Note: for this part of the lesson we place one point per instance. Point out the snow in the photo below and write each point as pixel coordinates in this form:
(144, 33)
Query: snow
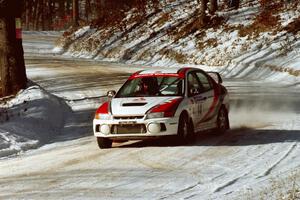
(57, 50)
(41, 42)
(253, 161)
(148, 42)
(79, 33)
(30, 120)
(262, 146)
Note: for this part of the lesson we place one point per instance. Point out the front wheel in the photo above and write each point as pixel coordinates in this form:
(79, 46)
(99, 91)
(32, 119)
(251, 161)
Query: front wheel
(104, 143)
(222, 121)
(185, 130)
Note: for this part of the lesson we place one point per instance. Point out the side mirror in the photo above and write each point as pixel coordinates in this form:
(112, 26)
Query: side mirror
(216, 76)
(111, 93)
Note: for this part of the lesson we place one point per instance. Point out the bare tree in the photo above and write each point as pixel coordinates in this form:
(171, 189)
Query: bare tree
(61, 8)
(213, 6)
(13, 74)
(234, 4)
(87, 9)
(203, 7)
(202, 11)
(75, 13)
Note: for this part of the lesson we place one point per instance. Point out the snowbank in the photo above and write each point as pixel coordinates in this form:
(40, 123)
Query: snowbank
(29, 120)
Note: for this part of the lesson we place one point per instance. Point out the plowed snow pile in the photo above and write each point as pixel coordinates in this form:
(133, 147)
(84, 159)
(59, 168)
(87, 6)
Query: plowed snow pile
(29, 120)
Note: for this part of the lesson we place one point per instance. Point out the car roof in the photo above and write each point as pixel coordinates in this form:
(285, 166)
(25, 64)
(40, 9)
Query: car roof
(160, 71)
(172, 72)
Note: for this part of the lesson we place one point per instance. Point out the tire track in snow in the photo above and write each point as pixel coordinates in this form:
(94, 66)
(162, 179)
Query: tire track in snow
(182, 190)
(269, 170)
(231, 182)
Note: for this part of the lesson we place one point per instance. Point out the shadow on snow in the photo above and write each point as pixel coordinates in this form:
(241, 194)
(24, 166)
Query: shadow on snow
(234, 137)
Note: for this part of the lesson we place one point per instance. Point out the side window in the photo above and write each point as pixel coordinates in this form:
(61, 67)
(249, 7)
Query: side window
(194, 86)
(205, 81)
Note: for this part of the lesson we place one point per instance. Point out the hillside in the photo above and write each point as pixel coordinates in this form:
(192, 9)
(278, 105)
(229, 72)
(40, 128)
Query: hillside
(252, 38)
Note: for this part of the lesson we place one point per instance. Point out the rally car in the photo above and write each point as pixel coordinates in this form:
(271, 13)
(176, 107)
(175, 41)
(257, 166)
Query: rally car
(155, 103)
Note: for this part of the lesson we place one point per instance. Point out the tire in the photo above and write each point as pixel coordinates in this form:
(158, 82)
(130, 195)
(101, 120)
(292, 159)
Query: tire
(222, 121)
(104, 143)
(184, 132)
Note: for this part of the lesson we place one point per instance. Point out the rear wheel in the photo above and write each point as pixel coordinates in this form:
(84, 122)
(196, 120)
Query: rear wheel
(222, 121)
(104, 143)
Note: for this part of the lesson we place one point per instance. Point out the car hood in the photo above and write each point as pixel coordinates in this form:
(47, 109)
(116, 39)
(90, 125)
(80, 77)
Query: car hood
(135, 106)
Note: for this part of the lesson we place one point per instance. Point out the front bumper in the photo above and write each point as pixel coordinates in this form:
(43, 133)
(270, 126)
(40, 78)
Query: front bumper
(135, 128)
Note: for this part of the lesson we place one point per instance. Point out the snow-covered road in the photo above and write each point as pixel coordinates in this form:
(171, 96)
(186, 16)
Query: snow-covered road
(260, 151)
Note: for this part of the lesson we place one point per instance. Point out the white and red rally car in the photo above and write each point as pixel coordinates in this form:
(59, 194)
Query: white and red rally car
(154, 103)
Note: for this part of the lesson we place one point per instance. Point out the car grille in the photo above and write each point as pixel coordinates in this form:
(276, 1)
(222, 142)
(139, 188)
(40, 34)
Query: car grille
(128, 117)
(128, 129)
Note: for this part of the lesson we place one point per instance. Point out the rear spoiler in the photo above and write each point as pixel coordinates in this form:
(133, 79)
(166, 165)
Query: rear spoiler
(216, 76)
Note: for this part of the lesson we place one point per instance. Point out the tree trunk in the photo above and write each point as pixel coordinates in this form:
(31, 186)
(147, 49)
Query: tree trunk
(87, 9)
(68, 7)
(75, 13)
(43, 15)
(34, 14)
(234, 4)
(213, 6)
(100, 8)
(202, 12)
(203, 6)
(38, 14)
(61, 9)
(51, 14)
(13, 74)
(27, 13)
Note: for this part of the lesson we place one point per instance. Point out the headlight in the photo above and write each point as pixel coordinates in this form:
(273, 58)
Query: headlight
(155, 115)
(103, 112)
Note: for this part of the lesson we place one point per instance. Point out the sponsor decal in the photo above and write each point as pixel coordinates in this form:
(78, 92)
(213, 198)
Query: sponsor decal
(215, 104)
(199, 98)
(140, 99)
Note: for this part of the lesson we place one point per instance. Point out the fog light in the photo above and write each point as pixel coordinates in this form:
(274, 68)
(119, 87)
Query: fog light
(105, 129)
(153, 128)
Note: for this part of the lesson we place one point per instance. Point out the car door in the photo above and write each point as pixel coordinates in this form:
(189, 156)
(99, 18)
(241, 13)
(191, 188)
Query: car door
(207, 96)
(196, 99)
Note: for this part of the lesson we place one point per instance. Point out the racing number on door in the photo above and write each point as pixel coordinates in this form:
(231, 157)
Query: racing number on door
(199, 108)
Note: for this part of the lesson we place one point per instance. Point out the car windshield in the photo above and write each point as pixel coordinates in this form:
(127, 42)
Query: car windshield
(152, 86)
